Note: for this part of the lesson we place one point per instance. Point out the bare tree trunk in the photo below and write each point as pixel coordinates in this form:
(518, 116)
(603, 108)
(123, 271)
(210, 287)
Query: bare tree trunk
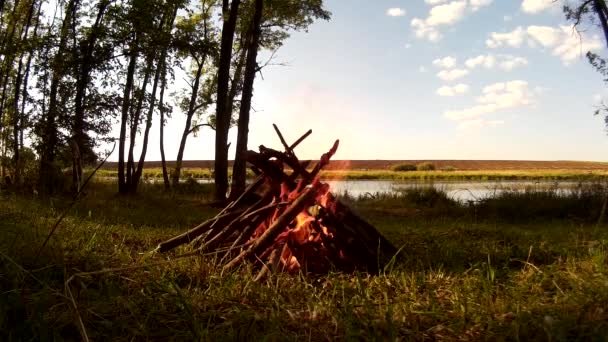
(28, 65)
(144, 147)
(222, 111)
(162, 130)
(135, 122)
(126, 104)
(239, 171)
(191, 109)
(602, 11)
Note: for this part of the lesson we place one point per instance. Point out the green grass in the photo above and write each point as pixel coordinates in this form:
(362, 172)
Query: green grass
(464, 272)
(447, 174)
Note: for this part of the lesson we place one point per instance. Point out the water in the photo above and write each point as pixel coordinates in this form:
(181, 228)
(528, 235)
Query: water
(460, 191)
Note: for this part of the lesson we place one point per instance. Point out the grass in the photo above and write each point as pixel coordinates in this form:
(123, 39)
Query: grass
(465, 272)
(448, 174)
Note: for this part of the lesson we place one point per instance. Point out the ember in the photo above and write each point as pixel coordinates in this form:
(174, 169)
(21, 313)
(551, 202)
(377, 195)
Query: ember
(288, 220)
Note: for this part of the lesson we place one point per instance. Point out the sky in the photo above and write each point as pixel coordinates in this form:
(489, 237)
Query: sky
(428, 79)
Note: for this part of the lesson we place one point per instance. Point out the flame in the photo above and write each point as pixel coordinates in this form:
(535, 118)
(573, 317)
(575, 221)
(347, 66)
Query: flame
(304, 240)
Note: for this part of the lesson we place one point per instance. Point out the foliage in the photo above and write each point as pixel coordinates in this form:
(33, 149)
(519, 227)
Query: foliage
(425, 166)
(404, 167)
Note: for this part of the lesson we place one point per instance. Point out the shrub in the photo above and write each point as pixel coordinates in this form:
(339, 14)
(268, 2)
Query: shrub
(425, 167)
(448, 168)
(403, 167)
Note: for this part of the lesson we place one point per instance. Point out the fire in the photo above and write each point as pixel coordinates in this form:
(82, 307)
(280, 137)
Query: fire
(304, 240)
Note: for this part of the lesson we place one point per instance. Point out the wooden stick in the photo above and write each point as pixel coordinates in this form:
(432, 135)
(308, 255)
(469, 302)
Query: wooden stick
(277, 227)
(276, 129)
(195, 232)
(295, 144)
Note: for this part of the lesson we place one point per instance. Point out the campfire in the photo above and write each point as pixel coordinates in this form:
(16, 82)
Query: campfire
(288, 220)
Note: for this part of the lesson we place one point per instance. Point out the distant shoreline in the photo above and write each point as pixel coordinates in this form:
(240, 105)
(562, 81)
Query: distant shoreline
(463, 165)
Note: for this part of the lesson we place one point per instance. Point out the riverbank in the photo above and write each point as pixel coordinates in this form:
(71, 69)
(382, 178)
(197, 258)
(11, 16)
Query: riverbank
(532, 266)
(476, 175)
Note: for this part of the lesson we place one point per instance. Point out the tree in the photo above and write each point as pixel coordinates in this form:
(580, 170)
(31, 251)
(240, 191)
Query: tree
(195, 41)
(272, 21)
(223, 113)
(596, 13)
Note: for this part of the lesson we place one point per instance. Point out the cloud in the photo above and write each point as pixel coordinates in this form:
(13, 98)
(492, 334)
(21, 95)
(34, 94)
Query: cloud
(477, 4)
(564, 42)
(395, 12)
(451, 75)
(445, 62)
(487, 61)
(495, 97)
(513, 39)
(504, 62)
(536, 6)
(512, 62)
(507, 18)
(440, 15)
(458, 89)
(435, 2)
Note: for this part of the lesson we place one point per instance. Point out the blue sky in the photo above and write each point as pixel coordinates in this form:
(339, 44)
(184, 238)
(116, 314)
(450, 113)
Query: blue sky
(429, 79)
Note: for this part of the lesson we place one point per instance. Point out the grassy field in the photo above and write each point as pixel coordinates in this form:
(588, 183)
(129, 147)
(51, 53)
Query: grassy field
(529, 266)
(463, 165)
(477, 175)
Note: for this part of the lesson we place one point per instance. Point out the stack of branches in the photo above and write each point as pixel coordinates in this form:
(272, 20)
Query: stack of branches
(288, 220)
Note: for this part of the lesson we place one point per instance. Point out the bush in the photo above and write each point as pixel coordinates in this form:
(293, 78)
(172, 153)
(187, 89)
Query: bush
(425, 167)
(403, 167)
(448, 168)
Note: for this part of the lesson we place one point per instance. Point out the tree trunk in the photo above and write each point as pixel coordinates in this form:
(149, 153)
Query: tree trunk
(162, 130)
(239, 171)
(222, 112)
(144, 147)
(602, 11)
(50, 131)
(126, 104)
(82, 83)
(19, 78)
(191, 109)
(135, 122)
(28, 65)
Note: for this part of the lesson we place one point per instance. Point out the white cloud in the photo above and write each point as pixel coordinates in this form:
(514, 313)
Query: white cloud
(395, 12)
(435, 2)
(477, 4)
(445, 62)
(440, 15)
(495, 97)
(536, 6)
(514, 38)
(407, 46)
(547, 36)
(458, 89)
(509, 63)
(447, 14)
(423, 30)
(422, 69)
(564, 42)
(504, 62)
(487, 61)
(451, 75)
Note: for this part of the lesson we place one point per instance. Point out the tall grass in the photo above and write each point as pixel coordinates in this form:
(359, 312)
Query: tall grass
(445, 174)
(457, 277)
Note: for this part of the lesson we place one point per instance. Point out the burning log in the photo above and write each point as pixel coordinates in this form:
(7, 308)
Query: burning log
(288, 220)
